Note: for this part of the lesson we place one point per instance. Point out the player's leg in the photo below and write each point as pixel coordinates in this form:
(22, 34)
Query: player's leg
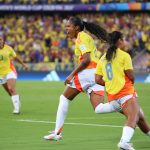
(67, 96)
(96, 95)
(131, 110)
(143, 124)
(6, 89)
(10, 87)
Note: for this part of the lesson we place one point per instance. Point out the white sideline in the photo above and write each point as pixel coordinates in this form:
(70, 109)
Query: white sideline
(71, 123)
(90, 118)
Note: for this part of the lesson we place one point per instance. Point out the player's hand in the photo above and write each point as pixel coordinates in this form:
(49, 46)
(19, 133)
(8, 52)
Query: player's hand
(68, 79)
(25, 66)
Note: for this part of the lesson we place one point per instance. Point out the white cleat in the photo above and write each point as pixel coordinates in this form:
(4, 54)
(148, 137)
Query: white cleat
(125, 146)
(53, 137)
(17, 109)
(16, 112)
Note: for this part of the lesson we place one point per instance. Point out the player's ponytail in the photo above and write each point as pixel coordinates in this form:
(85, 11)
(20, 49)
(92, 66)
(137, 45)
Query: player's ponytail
(97, 30)
(113, 38)
(93, 28)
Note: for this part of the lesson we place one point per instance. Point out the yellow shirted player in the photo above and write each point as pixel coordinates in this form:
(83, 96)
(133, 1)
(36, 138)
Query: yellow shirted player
(115, 71)
(8, 73)
(117, 82)
(85, 44)
(82, 78)
(6, 66)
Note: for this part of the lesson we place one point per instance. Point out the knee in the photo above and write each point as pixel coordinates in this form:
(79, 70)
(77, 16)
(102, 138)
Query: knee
(11, 90)
(98, 108)
(63, 98)
(141, 114)
(104, 108)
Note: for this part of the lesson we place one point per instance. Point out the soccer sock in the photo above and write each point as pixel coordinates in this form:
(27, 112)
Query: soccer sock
(104, 108)
(127, 134)
(16, 102)
(148, 133)
(61, 113)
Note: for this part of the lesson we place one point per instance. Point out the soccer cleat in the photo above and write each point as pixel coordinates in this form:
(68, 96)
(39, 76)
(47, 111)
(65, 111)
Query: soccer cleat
(16, 112)
(125, 146)
(53, 137)
(17, 109)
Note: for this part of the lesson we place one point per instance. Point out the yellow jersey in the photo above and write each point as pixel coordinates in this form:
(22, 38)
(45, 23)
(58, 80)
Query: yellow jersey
(85, 44)
(117, 84)
(6, 54)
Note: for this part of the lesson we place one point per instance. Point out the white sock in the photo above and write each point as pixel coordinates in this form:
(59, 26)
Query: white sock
(148, 133)
(61, 113)
(16, 102)
(104, 108)
(127, 134)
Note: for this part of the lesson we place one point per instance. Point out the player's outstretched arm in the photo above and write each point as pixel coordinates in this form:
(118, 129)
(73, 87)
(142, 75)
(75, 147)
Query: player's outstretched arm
(21, 62)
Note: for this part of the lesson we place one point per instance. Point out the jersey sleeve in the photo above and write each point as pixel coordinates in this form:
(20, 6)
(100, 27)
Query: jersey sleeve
(128, 62)
(98, 70)
(84, 44)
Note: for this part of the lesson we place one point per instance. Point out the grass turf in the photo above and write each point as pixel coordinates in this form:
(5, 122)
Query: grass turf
(83, 129)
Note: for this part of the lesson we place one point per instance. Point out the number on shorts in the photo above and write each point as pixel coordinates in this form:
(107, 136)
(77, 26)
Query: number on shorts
(109, 71)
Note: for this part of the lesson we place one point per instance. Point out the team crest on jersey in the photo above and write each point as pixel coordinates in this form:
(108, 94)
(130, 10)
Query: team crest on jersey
(83, 47)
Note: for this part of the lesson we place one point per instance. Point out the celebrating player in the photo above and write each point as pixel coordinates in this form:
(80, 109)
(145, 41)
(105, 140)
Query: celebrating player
(82, 78)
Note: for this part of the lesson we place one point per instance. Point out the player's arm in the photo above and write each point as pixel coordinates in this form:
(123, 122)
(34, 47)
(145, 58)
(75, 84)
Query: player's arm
(21, 62)
(128, 70)
(99, 79)
(129, 73)
(98, 74)
(83, 64)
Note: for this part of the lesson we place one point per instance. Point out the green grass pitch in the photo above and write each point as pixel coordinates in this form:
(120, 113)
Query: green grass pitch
(84, 130)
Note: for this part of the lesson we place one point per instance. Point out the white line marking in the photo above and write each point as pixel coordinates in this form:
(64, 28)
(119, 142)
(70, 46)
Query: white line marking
(91, 118)
(72, 123)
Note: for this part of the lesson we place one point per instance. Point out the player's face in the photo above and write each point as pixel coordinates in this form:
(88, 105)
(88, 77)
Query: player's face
(70, 29)
(122, 43)
(1, 42)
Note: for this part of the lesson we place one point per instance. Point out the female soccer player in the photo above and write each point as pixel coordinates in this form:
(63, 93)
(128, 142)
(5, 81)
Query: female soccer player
(115, 72)
(8, 73)
(82, 78)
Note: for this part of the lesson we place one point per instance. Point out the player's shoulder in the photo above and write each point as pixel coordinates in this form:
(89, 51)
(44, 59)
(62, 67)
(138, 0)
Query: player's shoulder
(103, 58)
(84, 35)
(8, 47)
(123, 53)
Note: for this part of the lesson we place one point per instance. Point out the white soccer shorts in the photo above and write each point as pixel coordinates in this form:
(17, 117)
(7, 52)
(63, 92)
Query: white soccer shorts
(84, 81)
(10, 75)
(119, 103)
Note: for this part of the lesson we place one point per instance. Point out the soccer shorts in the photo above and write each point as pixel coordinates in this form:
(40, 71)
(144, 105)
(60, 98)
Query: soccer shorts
(120, 103)
(10, 75)
(84, 81)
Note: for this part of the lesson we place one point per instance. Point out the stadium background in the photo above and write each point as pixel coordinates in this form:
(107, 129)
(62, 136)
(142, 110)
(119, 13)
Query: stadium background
(35, 29)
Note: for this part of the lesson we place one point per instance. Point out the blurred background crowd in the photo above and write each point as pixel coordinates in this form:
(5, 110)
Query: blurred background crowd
(41, 38)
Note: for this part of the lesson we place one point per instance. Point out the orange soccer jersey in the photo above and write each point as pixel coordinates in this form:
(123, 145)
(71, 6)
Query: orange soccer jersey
(116, 82)
(84, 44)
(6, 65)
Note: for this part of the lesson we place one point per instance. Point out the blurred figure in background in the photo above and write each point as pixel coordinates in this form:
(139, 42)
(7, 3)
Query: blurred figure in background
(8, 73)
